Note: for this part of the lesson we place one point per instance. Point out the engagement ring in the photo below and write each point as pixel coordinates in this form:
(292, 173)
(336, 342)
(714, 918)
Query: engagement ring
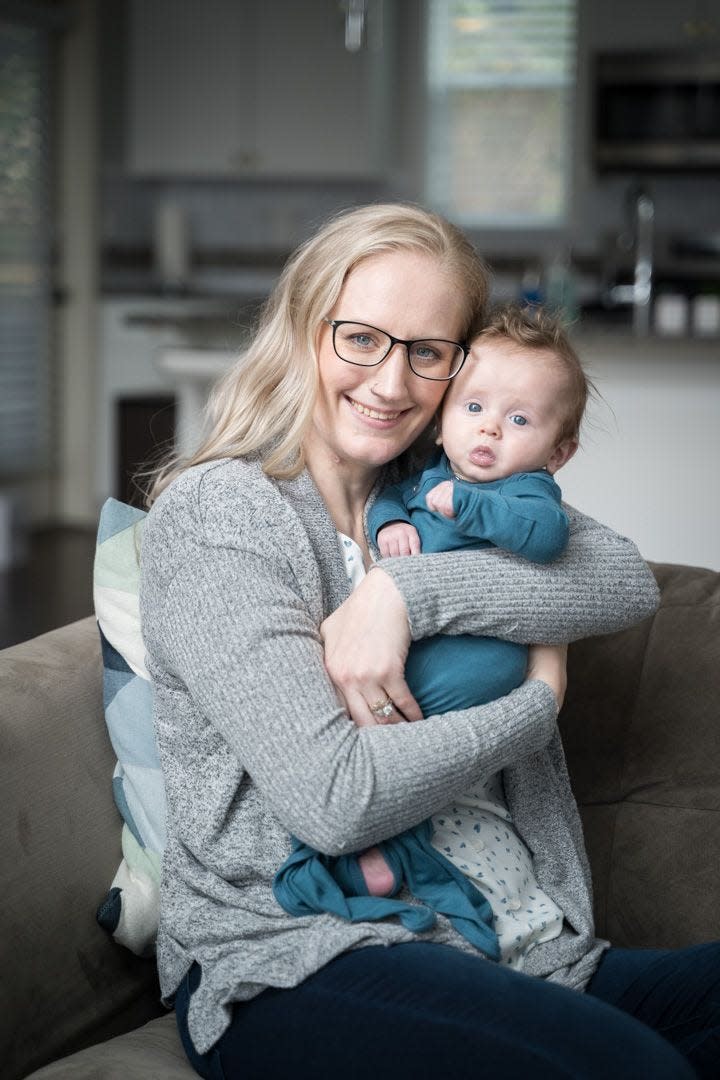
(383, 708)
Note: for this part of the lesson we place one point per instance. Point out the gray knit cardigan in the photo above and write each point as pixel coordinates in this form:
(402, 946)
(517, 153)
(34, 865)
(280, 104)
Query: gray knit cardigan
(238, 572)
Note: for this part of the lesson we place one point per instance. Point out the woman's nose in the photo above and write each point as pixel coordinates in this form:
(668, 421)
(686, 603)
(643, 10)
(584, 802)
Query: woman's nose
(392, 374)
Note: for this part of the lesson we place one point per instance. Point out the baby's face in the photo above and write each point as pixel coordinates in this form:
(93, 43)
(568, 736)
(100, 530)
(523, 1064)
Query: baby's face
(502, 414)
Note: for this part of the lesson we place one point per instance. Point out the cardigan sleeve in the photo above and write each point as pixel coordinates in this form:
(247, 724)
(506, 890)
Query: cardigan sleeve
(600, 584)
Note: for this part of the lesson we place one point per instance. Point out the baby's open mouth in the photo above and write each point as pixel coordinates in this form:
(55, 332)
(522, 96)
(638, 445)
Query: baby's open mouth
(482, 455)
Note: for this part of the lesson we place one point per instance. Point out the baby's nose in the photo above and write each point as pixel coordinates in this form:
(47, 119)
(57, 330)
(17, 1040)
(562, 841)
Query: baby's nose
(488, 424)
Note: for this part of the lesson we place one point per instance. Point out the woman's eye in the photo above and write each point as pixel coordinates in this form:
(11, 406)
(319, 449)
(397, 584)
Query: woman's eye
(519, 420)
(425, 353)
(474, 407)
(363, 341)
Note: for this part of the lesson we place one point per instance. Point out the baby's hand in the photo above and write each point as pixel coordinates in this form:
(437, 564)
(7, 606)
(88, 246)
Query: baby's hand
(398, 538)
(440, 499)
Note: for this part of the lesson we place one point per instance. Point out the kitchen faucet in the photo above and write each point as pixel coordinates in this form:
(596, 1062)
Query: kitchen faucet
(639, 294)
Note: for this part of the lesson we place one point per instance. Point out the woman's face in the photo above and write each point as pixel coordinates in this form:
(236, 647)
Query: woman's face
(366, 416)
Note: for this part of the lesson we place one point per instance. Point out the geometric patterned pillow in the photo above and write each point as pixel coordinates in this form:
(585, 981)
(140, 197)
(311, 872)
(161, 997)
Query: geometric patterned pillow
(130, 909)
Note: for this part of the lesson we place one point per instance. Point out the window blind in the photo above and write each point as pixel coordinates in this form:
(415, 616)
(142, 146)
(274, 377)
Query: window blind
(24, 249)
(500, 75)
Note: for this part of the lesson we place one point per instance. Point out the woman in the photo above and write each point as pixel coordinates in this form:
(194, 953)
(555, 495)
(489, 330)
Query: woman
(272, 685)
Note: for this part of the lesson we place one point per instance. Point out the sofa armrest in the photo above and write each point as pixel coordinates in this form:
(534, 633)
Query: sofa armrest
(68, 984)
(641, 730)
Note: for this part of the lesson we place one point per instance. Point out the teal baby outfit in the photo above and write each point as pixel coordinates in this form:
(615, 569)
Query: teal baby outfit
(309, 883)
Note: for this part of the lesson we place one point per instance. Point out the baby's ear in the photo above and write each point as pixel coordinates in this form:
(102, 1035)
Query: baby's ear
(561, 455)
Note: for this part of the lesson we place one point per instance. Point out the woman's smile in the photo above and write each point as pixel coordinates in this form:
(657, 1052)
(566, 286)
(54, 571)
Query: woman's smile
(374, 413)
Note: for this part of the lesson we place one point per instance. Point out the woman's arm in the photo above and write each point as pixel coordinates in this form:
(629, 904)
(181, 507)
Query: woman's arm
(600, 584)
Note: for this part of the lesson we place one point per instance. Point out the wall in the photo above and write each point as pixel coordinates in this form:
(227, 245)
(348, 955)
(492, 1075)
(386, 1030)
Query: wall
(650, 449)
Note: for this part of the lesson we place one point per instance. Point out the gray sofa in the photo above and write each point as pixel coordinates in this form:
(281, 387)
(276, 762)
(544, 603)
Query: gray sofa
(642, 730)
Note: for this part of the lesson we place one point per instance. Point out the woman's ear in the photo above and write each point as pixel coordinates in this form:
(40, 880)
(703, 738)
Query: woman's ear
(561, 455)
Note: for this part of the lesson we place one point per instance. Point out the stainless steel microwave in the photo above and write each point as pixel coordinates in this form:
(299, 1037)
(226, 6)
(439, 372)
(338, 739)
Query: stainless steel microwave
(657, 111)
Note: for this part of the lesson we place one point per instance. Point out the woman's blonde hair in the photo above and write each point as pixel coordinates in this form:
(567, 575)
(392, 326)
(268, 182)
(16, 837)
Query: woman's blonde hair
(264, 404)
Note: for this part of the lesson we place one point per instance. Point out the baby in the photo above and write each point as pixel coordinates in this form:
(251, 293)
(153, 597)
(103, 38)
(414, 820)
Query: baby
(509, 421)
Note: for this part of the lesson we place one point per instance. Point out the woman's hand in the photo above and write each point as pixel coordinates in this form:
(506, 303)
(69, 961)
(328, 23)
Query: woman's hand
(549, 663)
(366, 644)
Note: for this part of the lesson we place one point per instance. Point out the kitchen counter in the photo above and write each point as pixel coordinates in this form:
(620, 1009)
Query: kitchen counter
(193, 371)
(623, 342)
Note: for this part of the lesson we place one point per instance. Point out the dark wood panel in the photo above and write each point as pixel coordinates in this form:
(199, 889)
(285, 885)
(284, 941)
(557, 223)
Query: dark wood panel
(146, 431)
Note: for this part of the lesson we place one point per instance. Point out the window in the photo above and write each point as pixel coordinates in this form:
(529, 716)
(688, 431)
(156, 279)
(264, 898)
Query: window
(500, 77)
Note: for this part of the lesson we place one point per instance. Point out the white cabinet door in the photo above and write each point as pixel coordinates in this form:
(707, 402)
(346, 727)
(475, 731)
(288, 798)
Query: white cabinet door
(320, 107)
(192, 68)
(251, 88)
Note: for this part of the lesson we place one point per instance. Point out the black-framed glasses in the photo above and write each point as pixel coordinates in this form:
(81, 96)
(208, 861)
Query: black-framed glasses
(364, 345)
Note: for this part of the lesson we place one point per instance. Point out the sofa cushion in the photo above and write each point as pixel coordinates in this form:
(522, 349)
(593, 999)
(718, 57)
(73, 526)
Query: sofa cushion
(152, 1052)
(65, 984)
(642, 738)
(130, 908)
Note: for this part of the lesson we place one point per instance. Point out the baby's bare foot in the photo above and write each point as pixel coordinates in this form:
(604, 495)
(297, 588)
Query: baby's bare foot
(379, 878)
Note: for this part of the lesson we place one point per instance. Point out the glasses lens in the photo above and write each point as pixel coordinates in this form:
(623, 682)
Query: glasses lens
(435, 359)
(360, 344)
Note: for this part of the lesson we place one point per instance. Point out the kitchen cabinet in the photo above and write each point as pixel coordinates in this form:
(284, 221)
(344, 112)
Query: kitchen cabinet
(251, 89)
(648, 24)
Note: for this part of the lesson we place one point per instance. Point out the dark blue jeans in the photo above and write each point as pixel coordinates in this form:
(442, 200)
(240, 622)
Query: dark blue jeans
(421, 1010)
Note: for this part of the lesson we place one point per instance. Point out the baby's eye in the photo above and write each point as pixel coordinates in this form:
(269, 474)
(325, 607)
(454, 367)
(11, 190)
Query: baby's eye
(519, 420)
(474, 407)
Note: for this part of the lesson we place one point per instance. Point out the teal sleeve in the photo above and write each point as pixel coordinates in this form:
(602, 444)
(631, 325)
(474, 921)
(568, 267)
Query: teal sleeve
(390, 505)
(522, 515)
